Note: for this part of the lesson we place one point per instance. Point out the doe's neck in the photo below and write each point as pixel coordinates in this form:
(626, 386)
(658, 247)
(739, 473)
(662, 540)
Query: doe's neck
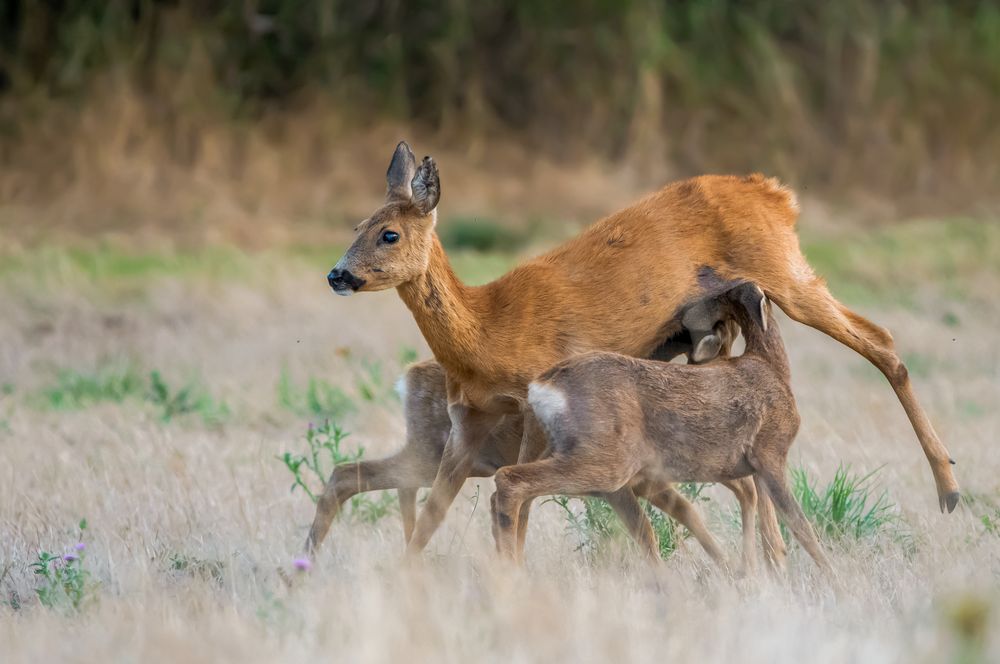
(448, 313)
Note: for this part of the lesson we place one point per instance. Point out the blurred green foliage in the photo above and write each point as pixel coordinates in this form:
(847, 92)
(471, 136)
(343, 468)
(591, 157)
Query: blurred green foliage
(323, 453)
(117, 382)
(798, 78)
(74, 390)
(480, 235)
(319, 398)
(894, 263)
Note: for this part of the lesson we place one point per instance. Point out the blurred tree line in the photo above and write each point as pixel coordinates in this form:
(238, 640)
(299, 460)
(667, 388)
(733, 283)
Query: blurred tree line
(779, 84)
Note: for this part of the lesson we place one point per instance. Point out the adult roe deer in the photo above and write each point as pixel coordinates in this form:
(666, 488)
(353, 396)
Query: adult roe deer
(614, 422)
(615, 287)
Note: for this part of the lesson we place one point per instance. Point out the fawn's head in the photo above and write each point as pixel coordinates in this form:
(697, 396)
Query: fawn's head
(393, 245)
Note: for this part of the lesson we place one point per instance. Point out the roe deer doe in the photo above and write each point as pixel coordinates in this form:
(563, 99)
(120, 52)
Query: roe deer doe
(613, 422)
(616, 287)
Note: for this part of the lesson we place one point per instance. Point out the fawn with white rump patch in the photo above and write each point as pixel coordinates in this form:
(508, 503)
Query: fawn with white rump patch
(614, 422)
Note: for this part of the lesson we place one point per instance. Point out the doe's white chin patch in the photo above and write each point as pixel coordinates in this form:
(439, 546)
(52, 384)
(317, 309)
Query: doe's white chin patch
(347, 292)
(547, 401)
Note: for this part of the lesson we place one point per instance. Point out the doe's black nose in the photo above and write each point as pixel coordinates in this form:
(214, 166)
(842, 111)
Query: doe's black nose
(335, 278)
(344, 280)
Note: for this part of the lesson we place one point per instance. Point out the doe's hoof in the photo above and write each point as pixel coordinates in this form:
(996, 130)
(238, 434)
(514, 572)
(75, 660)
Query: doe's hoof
(949, 501)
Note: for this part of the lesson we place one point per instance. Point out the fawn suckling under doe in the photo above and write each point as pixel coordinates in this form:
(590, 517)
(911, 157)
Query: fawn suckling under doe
(615, 422)
(424, 395)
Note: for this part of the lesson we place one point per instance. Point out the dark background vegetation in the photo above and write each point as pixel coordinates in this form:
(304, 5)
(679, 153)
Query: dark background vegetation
(159, 110)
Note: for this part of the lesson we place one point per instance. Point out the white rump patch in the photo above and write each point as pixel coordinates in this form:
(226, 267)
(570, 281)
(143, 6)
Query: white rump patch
(547, 402)
(401, 388)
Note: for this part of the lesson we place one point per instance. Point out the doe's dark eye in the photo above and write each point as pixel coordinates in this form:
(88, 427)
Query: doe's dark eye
(390, 237)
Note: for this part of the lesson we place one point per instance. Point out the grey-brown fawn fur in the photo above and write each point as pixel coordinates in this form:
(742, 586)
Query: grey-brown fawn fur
(615, 422)
(428, 426)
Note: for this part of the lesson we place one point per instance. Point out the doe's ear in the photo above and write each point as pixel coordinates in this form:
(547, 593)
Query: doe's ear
(400, 173)
(426, 186)
(752, 298)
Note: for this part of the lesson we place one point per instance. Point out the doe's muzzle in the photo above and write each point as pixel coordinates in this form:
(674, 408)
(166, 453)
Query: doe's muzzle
(343, 282)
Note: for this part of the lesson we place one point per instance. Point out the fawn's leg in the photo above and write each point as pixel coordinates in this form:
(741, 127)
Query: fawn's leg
(772, 475)
(534, 446)
(770, 533)
(808, 301)
(408, 509)
(746, 494)
(404, 469)
(469, 429)
(554, 475)
(630, 511)
(672, 502)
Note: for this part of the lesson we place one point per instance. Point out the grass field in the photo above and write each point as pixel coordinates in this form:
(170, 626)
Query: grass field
(153, 394)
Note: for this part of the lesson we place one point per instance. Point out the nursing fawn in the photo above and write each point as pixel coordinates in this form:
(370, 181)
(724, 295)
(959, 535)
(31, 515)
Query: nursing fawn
(614, 422)
(422, 390)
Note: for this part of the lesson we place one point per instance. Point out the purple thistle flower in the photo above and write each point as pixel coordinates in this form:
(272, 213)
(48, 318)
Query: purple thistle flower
(302, 564)
(70, 557)
(80, 546)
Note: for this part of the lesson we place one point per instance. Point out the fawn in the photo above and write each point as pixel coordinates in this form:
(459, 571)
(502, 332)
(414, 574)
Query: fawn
(422, 390)
(614, 422)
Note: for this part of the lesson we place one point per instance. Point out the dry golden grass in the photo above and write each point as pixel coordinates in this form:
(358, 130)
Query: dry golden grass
(136, 168)
(214, 496)
(170, 168)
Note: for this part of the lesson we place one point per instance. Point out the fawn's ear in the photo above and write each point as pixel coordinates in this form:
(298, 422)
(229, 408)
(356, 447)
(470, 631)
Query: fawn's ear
(400, 173)
(752, 298)
(426, 186)
(706, 349)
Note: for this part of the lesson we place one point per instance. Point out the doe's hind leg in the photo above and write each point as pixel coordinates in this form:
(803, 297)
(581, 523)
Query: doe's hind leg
(809, 302)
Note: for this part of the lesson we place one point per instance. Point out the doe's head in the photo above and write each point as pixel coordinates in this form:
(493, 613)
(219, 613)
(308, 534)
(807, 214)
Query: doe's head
(393, 245)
